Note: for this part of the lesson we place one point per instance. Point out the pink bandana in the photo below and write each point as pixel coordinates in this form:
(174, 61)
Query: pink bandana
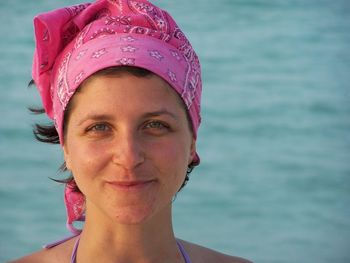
(75, 42)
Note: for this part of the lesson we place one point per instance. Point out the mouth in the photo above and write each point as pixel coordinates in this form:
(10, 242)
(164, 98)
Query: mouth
(131, 185)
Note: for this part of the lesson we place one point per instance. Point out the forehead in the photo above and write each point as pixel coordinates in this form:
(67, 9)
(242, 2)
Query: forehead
(99, 90)
(126, 91)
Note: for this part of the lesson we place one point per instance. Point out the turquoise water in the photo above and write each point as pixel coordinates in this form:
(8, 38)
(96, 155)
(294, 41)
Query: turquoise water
(274, 183)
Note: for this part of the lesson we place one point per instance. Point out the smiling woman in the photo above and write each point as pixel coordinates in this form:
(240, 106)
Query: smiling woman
(152, 119)
(122, 85)
(129, 159)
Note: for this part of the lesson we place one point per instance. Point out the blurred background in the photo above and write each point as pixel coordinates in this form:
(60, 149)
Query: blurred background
(274, 182)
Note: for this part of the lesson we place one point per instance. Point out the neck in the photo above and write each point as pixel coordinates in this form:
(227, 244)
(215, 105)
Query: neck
(150, 241)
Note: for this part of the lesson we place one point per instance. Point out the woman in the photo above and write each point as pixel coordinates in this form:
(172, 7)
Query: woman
(122, 84)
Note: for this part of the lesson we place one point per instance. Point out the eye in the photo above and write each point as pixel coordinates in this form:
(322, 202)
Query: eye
(156, 126)
(99, 127)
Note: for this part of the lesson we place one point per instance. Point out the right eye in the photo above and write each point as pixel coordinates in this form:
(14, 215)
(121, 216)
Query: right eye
(99, 127)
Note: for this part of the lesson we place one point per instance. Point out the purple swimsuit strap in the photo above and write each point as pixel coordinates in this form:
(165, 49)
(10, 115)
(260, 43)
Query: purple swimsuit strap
(56, 243)
(73, 258)
(182, 250)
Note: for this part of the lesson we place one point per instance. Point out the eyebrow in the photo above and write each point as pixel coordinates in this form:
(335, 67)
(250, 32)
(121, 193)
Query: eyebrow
(106, 117)
(95, 117)
(160, 113)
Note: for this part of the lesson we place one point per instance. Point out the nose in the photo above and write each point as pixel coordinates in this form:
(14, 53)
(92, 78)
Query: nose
(127, 151)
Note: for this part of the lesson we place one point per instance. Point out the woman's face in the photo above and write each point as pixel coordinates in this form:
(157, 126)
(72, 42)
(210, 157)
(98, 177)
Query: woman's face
(128, 144)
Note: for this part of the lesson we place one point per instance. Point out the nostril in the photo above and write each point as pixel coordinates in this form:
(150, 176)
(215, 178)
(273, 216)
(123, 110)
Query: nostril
(128, 155)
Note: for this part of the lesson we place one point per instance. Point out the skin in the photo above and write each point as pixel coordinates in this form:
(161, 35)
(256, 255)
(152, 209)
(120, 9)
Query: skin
(128, 145)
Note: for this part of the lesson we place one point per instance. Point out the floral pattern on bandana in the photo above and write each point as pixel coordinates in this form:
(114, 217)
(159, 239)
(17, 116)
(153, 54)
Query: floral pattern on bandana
(79, 77)
(156, 54)
(63, 91)
(117, 20)
(79, 41)
(126, 61)
(175, 54)
(129, 48)
(172, 76)
(128, 39)
(102, 32)
(77, 9)
(154, 15)
(81, 54)
(118, 4)
(99, 53)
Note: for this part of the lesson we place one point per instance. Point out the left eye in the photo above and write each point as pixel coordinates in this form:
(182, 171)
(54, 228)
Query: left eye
(155, 125)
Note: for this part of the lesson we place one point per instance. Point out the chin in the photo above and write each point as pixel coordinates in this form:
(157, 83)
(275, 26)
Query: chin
(132, 215)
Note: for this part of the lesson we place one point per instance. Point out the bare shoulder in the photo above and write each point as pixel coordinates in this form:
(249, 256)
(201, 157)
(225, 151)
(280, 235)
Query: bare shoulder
(38, 256)
(59, 253)
(205, 255)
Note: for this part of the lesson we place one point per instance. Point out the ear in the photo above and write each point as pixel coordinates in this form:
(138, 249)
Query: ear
(192, 150)
(66, 156)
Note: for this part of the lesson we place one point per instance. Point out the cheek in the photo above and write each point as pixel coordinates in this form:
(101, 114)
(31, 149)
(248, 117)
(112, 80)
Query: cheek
(86, 161)
(171, 151)
(171, 158)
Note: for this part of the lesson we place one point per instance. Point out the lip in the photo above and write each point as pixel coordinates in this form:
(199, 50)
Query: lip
(131, 185)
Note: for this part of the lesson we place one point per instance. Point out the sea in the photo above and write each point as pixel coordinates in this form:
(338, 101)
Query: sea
(273, 185)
